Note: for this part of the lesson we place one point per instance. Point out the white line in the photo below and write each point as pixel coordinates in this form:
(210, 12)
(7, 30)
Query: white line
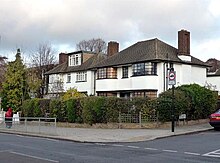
(190, 153)
(133, 147)
(167, 150)
(213, 152)
(9, 150)
(153, 149)
(117, 145)
(209, 155)
(40, 158)
(100, 144)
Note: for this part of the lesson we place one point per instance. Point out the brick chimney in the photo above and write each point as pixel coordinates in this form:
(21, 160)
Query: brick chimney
(113, 48)
(62, 58)
(184, 42)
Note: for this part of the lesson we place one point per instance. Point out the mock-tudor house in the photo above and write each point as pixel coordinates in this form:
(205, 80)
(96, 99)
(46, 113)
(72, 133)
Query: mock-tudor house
(139, 70)
(142, 68)
(73, 71)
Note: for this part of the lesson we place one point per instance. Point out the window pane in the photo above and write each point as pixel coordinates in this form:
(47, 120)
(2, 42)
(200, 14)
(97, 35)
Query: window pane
(124, 72)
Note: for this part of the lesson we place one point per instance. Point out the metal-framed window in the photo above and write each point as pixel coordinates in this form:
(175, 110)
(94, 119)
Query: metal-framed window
(107, 73)
(148, 68)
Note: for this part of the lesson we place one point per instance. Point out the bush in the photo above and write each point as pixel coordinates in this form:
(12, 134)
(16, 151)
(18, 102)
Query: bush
(27, 108)
(71, 110)
(58, 110)
(193, 100)
(203, 101)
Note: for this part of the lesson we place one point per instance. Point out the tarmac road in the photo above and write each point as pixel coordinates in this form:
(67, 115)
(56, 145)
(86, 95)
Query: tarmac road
(197, 147)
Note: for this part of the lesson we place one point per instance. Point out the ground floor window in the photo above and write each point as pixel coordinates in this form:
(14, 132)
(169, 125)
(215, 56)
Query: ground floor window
(145, 93)
(109, 94)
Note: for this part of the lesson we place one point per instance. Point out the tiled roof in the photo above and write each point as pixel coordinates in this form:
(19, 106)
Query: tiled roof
(150, 50)
(89, 64)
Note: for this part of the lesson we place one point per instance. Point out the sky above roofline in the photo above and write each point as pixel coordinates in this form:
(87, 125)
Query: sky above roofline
(62, 23)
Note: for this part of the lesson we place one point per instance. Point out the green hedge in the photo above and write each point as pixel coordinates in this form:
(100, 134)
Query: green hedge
(193, 100)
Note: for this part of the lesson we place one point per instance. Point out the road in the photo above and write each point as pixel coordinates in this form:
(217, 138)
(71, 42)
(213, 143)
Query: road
(200, 147)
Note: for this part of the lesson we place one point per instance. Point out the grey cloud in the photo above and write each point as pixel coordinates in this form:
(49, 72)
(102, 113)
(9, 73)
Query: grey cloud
(126, 21)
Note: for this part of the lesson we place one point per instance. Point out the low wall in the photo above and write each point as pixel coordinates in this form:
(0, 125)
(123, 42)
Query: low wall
(148, 125)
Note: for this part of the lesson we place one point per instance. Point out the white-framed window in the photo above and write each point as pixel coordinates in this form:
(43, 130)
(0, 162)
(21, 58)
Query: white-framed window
(68, 80)
(75, 60)
(81, 76)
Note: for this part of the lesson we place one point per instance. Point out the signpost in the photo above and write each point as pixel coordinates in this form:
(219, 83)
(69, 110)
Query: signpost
(172, 81)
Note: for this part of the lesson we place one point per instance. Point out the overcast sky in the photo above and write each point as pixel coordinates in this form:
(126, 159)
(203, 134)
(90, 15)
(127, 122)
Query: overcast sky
(63, 23)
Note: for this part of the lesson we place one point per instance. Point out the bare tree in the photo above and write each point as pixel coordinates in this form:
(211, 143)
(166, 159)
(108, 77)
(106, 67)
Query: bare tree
(42, 60)
(95, 45)
(56, 88)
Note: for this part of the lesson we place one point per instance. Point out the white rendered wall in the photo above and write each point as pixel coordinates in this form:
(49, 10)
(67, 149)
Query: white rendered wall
(85, 86)
(130, 83)
(214, 83)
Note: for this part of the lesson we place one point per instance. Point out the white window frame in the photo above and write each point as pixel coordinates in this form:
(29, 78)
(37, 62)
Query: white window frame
(68, 78)
(81, 76)
(75, 60)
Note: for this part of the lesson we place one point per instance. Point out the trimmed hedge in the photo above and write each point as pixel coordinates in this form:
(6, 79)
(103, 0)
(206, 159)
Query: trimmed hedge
(193, 100)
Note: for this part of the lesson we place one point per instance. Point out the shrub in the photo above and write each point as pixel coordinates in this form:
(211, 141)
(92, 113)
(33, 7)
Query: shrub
(71, 109)
(58, 110)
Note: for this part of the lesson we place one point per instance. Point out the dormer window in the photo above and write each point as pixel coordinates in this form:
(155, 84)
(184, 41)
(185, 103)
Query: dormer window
(75, 60)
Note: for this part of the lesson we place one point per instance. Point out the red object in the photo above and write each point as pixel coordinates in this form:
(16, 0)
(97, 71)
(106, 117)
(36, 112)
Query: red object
(9, 113)
(214, 120)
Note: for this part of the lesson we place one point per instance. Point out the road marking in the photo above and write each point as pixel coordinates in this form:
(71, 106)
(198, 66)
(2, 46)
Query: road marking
(153, 149)
(100, 144)
(9, 150)
(39, 158)
(133, 147)
(167, 150)
(117, 145)
(215, 153)
(190, 153)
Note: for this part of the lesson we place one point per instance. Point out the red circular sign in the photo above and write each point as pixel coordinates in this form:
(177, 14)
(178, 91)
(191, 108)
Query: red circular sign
(172, 76)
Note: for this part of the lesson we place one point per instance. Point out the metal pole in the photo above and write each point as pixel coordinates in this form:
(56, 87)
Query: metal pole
(172, 111)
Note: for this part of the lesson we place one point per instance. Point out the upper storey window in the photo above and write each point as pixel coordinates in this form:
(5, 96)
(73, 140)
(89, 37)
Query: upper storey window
(148, 68)
(107, 73)
(75, 60)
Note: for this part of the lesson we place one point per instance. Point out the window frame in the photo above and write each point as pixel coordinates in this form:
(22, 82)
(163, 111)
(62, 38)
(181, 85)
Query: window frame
(144, 68)
(107, 73)
(81, 76)
(125, 72)
(68, 79)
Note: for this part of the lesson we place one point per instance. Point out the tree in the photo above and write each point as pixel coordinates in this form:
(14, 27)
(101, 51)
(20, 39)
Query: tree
(15, 85)
(41, 61)
(2, 70)
(56, 88)
(72, 93)
(95, 45)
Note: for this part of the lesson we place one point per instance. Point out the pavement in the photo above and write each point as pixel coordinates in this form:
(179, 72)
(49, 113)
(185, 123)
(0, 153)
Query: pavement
(111, 135)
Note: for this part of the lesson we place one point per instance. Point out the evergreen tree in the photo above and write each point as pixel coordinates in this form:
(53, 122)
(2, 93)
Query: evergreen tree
(15, 84)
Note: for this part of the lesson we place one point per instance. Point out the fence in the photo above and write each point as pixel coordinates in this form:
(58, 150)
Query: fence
(38, 125)
(138, 117)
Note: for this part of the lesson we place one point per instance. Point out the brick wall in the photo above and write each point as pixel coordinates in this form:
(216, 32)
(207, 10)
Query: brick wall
(113, 48)
(183, 42)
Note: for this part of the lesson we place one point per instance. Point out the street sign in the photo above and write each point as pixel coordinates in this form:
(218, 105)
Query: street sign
(172, 78)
